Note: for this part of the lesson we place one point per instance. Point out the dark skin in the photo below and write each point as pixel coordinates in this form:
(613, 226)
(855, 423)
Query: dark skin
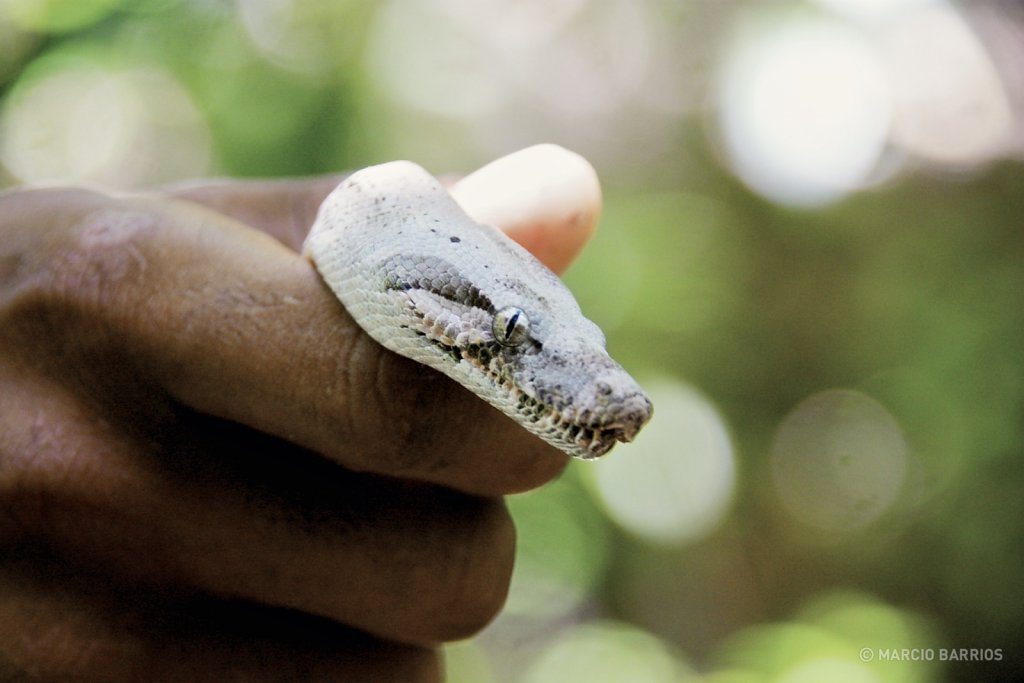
(208, 471)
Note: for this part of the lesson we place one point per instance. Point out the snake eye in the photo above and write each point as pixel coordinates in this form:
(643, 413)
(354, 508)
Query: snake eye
(511, 327)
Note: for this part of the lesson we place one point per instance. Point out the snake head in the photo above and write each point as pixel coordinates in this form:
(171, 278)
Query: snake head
(429, 283)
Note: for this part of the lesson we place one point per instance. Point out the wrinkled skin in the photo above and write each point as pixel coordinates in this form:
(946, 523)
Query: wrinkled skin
(209, 472)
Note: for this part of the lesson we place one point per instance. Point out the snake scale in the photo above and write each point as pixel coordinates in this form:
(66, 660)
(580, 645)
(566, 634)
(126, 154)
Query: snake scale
(427, 282)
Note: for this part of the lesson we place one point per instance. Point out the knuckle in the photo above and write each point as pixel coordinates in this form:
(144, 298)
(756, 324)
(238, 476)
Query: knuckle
(100, 255)
(68, 250)
(398, 406)
(476, 576)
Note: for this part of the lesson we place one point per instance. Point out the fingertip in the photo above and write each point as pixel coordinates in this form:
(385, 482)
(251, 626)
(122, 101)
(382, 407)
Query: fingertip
(545, 197)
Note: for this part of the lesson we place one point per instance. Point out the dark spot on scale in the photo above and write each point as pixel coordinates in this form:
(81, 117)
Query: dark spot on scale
(453, 238)
(433, 230)
(452, 352)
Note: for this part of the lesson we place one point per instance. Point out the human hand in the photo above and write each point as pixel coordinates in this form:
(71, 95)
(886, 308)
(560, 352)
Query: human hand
(208, 470)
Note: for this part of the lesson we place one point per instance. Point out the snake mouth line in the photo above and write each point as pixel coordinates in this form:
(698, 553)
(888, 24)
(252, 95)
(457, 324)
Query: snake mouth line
(587, 440)
(545, 419)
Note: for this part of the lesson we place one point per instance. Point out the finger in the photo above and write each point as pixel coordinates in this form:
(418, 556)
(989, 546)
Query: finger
(194, 502)
(58, 623)
(284, 209)
(231, 323)
(544, 197)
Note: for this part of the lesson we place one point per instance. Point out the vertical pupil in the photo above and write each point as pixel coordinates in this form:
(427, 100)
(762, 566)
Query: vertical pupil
(510, 326)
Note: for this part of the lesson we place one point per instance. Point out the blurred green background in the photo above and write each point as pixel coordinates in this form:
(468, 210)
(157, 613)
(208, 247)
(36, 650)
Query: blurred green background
(811, 254)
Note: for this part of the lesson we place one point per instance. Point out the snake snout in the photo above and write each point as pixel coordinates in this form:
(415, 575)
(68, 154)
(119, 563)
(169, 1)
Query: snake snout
(617, 407)
(631, 413)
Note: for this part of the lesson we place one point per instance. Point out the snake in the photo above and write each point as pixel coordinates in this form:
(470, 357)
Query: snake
(427, 282)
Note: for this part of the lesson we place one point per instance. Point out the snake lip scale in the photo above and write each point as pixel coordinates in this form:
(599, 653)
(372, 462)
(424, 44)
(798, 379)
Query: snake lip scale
(427, 282)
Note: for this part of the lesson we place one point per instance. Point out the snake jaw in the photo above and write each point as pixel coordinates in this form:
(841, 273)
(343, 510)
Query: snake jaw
(582, 413)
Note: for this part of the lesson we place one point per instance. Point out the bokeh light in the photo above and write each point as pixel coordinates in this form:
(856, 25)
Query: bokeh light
(466, 662)
(422, 60)
(608, 652)
(683, 488)
(834, 670)
(870, 9)
(804, 108)
(866, 621)
(950, 104)
(814, 105)
(827, 641)
(76, 119)
(573, 69)
(839, 460)
(56, 15)
(302, 36)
